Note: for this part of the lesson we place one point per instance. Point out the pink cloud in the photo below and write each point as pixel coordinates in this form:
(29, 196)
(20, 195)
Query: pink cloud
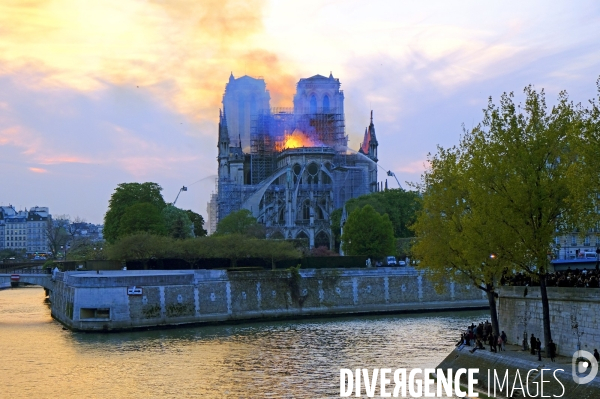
(63, 159)
(417, 166)
(38, 170)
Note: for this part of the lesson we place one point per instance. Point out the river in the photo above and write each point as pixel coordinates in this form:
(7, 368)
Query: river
(287, 359)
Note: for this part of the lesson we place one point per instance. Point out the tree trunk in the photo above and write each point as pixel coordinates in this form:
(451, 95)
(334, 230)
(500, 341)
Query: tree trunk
(545, 313)
(491, 295)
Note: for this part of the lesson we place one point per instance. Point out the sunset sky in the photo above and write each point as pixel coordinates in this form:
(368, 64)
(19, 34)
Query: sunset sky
(93, 94)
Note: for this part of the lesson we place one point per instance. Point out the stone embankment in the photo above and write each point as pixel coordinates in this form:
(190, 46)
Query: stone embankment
(118, 300)
(525, 374)
(574, 316)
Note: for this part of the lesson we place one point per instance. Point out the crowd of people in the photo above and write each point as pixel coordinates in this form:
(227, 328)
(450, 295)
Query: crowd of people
(477, 336)
(481, 334)
(567, 278)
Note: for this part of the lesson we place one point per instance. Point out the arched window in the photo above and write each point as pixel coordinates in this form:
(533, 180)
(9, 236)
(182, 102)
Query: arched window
(277, 236)
(326, 104)
(306, 210)
(313, 104)
(320, 207)
(302, 235)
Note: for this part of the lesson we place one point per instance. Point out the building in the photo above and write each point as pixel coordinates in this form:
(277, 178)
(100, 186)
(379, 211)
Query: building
(244, 98)
(575, 245)
(211, 209)
(24, 230)
(37, 221)
(297, 168)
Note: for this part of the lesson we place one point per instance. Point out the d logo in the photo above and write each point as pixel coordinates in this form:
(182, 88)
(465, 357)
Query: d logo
(580, 363)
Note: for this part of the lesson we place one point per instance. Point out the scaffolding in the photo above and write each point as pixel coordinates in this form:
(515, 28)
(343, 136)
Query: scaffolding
(229, 196)
(323, 174)
(267, 130)
(326, 128)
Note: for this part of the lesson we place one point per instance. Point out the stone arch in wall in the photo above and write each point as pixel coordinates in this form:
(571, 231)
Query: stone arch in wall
(313, 104)
(326, 104)
(306, 209)
(322, 240)
(302, 235)
(277, 235)
(313, 173)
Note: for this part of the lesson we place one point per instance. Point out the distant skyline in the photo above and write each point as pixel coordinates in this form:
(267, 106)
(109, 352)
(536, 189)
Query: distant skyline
(97, 94)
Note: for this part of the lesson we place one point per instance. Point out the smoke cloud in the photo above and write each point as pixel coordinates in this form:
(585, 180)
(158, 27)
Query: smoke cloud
(176, 50)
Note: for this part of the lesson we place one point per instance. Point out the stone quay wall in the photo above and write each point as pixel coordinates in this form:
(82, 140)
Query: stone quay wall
(518, 313)
(104, 301)
(494, 366)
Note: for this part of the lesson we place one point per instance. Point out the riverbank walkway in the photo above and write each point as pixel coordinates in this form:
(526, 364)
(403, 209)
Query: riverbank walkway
(516, 352)
(514, 359)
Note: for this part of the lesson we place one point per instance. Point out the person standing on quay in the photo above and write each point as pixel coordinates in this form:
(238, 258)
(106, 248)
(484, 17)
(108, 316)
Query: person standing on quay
(551, 350)
(533, 344)
(538, 346)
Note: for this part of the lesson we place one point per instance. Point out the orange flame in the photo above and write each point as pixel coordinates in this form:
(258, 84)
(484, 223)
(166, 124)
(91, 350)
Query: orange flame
(296, 140)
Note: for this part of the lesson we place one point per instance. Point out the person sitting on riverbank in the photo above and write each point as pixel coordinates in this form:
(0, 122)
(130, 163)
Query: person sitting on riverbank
(462, 341)
(478, 345)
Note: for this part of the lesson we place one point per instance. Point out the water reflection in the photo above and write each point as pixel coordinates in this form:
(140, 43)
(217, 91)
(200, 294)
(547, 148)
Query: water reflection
(291, 359)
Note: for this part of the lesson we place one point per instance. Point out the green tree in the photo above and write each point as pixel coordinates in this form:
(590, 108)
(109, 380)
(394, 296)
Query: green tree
(141, 246)
(273, 250)
(452, 238)
(517, 167)
(368, 233)
(177, 222)
(584, 176)
(232, 246)
(240, 222)
(141, 217)
(520, 159)
(198, 221)
(400, 205)
(126, 195)
(193, 249)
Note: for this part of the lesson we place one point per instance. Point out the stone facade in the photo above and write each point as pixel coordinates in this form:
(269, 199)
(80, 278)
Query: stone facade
(24, 230)
(91, 301)
(568, 306)
(291, 168)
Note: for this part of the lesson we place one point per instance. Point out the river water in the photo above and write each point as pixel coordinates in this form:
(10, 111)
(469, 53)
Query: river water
(289, 359)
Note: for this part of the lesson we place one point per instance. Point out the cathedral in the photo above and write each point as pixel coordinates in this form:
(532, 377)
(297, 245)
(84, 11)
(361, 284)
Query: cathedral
(290, 167)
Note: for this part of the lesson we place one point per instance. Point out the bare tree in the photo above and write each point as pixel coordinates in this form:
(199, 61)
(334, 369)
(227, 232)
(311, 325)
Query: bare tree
(74, 228)
(56, 233)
